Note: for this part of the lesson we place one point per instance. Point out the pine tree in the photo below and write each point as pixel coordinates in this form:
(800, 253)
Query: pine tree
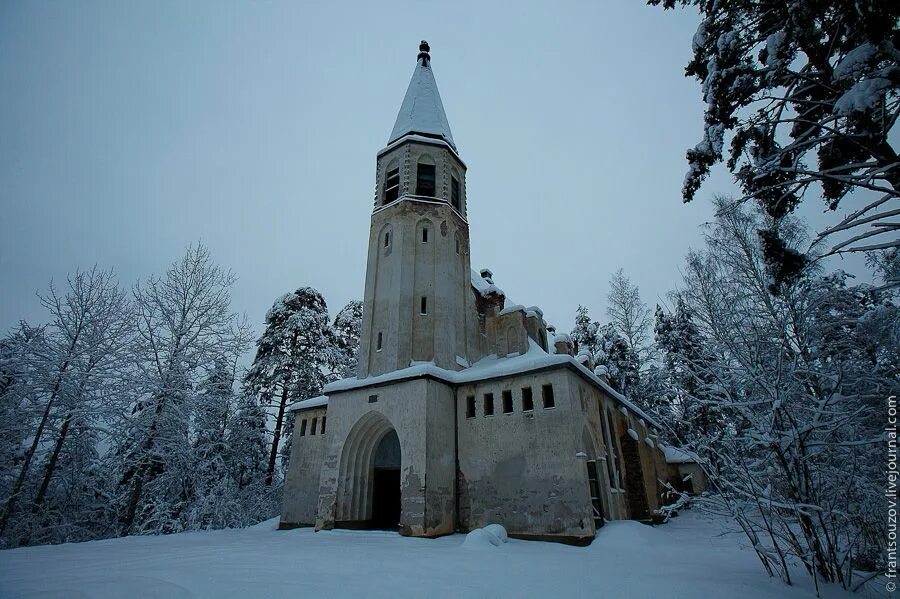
(293, 356)
(347, 328)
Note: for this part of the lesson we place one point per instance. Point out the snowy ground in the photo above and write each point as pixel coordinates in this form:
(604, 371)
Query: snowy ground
(683, 559)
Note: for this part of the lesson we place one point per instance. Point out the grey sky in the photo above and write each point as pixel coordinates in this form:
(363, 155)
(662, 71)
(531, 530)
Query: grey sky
(130, 130)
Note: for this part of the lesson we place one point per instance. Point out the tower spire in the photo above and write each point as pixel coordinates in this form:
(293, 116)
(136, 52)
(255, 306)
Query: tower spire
(422, 111)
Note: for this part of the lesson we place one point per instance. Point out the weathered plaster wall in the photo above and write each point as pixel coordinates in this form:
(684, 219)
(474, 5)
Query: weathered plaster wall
(520, 469)
(420, 411)
(300, 498)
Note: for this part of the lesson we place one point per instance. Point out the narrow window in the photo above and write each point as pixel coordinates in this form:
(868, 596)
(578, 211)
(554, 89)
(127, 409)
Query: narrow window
(614, 448)
(303, 428)
(507, 402)
(457, 245)
(547, 393)
(323, 425)
(425, 180)
(312, 427)
(527, 400)
(379, 341)
(387, 238)
(425, 235)
(470, 406)
(392, 186)
(424, 305)
(454, 192)
(488, 404)
(373, 398)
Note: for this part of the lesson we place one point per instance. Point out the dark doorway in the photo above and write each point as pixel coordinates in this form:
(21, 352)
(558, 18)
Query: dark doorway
(638, 509)
(386, 484)
(386, 499)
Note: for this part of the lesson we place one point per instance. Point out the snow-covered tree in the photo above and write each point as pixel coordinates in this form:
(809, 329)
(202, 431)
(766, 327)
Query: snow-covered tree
(293, 356)
(796, 384)
(185, 324)
(347, 328)
(810, 92)
(629, 315)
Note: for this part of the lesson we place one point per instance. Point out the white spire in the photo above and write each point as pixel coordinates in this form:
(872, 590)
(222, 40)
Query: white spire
(422, 111)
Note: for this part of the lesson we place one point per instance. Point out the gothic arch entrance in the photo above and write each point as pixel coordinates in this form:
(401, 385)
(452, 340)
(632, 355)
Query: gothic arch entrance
(369, 482)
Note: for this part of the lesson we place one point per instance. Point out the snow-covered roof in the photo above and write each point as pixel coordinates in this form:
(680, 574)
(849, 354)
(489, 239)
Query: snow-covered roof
(487, 368)
(422, 110)
(312, 402)
(676, 455)
(483, 287)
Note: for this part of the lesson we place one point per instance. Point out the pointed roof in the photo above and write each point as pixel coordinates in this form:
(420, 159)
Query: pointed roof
(422, 111)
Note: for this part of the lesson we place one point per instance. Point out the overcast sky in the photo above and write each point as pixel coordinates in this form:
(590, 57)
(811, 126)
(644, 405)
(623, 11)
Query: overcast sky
(130, 130)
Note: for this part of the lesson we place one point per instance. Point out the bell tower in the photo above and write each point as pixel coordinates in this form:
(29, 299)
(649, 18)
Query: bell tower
(418, 304)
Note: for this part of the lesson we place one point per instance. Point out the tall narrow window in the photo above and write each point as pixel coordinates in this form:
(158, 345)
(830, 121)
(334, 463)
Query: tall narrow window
(470, 406)
(527, 400)
(323, 425)
(547, 392)
(392, 185)
(614, 448)
(507, 402)
(454, 192)
(312, 426)
(303, 428)
(488, 404)
(425, 235)
(610, 466)
(457, 245)
(379, 342)
(425, 180)
(387, 238)
(424, 305)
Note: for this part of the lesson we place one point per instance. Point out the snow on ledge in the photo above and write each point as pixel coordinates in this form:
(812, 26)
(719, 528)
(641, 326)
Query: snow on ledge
(489, 367)
(676, 455)
(312, 402)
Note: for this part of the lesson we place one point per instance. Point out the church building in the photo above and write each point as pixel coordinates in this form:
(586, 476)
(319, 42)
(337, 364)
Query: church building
(465, 411)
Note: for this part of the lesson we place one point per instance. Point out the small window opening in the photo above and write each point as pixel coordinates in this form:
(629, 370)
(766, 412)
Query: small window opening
(454, 192)
(425, 180)
(303, 428)
(547, 393)
(323, 425)
(470, 406)
(457, 245)
(373, 398)
(527, 400)
(488, 404)
(387, 238)
(425, 235)
(424, 305)
(392, 185)
(312, 426)
(379, 341)
(507, 402)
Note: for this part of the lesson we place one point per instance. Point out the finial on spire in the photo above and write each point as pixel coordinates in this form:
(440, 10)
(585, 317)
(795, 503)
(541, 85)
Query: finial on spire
(424, 56)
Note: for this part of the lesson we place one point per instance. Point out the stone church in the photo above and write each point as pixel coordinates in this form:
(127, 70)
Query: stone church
(465, 411)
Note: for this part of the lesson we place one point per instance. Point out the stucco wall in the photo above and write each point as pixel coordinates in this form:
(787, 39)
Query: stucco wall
(300, 498)
(521, 469)
(420, 411)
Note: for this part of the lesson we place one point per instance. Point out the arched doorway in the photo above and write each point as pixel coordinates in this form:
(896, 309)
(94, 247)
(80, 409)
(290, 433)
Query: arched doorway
(386, 484)
(368, 494)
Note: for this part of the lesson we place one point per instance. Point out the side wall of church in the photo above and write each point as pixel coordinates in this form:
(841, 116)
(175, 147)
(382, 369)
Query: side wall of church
(300, 498)
(520, 468)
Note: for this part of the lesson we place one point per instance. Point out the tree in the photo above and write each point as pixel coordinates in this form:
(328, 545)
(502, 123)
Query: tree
(347, 328)
(70, 364)
(795, 385)
(629, 315)
(185, 324)
(293, 355)
(810, 92)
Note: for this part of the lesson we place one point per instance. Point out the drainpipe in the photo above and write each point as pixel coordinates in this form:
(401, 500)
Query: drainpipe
(456, 460)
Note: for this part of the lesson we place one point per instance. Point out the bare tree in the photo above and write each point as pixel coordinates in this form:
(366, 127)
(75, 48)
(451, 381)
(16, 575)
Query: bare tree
(629, 315)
